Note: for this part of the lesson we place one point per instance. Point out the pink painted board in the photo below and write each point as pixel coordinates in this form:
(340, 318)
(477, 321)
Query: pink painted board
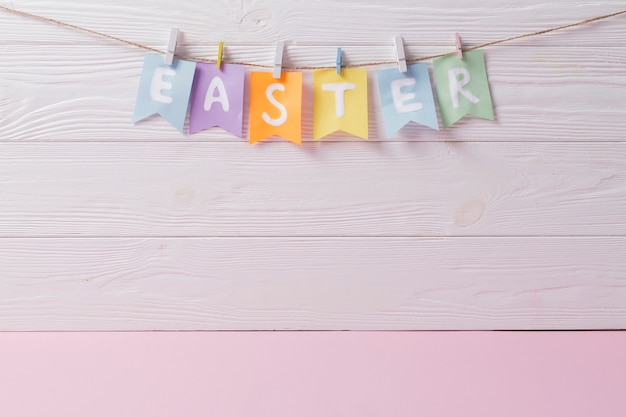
(313, 374)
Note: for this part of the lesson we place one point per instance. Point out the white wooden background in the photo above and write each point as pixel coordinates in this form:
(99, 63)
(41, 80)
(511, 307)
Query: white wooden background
(514, 224)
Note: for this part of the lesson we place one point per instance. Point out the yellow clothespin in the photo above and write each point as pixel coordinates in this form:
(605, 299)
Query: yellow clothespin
(220, 52)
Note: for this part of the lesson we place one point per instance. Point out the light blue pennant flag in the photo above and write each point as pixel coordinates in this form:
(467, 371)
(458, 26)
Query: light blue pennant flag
(164, 89)
(407, 97)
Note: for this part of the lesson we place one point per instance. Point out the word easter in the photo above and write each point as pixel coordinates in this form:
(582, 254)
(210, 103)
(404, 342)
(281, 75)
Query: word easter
(215, 97)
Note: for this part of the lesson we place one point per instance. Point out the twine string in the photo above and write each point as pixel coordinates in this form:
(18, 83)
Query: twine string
(252, 64)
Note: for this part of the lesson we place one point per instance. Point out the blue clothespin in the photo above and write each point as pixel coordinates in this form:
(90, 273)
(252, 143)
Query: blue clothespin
(339, 61)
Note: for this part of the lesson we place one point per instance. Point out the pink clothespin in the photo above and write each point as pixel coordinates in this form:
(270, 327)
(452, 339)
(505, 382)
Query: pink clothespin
(459, 48)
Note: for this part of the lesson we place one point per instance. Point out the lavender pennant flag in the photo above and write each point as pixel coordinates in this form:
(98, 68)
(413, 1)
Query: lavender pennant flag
(217, 98)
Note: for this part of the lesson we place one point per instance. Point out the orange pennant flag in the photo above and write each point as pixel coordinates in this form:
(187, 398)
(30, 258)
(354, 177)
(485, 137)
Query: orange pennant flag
(276, 106)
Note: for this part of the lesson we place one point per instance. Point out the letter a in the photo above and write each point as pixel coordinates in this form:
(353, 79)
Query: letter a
(456, 86)
(400, 99)
(222, 97)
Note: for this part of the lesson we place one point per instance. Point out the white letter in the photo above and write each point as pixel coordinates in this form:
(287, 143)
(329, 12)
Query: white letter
(222, 97)
(339, 89)
(456, 86)
(157, 85)
(283, 111)
(400, 99)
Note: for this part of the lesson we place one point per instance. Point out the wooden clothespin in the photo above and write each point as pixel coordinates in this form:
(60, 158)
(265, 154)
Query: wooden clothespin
(459, 47)
(400, 56)
(171, 46)
(220, 53)
(278, 59)
(339, 61)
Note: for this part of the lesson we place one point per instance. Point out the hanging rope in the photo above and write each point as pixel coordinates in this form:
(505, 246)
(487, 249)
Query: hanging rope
(367, 64)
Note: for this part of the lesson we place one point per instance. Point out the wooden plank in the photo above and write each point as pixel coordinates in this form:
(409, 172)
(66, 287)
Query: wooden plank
(368, 21)
(313, 374)
(279, 189)
(313, 283)
(66, 93)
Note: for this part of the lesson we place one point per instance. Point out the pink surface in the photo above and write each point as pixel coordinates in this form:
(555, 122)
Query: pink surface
(313, 374)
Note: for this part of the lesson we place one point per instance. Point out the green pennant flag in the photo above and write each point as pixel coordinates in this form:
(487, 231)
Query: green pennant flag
(462, 87)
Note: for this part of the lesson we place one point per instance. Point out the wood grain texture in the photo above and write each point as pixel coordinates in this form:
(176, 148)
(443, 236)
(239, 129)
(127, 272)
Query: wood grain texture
(322, 22)
(517, 223)
(53, 93)
(313, 283)
(341, 189)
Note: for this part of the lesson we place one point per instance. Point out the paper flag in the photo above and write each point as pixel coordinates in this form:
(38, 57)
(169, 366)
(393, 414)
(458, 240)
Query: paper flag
(407, 96)
(340, 102)
(276, 106)
(164, 89)
(217, 98)
(462, 87)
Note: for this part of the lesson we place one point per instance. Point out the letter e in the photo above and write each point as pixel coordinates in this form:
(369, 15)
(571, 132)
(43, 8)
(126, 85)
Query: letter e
(157, 85)
(400, 99)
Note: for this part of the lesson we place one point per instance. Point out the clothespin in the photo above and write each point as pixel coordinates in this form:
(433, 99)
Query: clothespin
(171, 46)
(400, 57)
(459, 48)
(278, 58)
(220, 52)
(339, 61)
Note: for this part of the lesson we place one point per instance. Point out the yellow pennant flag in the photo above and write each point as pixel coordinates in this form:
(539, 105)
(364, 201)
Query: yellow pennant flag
(340, 102)
(276, 106)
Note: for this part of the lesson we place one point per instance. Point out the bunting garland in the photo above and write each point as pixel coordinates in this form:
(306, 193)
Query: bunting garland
(340, 101)
(215, 94)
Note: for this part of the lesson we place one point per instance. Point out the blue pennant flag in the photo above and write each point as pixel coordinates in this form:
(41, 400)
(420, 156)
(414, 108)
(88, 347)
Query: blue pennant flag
(164, 89)
(407, 97)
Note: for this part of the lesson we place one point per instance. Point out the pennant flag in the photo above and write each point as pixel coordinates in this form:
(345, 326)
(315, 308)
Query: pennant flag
(217, 98)
(462, 87)
(276, 106)
(340, 102)
(407, 96)
(164, 89)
